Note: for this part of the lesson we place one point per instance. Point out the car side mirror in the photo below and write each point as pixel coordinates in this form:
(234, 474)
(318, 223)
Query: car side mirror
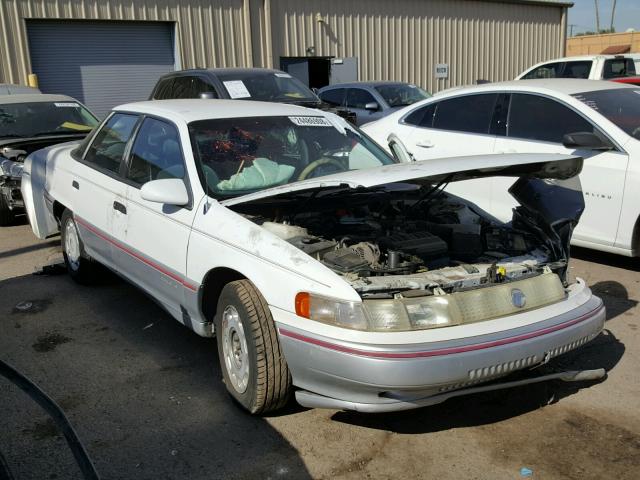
(586, 141)
(169, 191)
(207, 96)
(373, 106)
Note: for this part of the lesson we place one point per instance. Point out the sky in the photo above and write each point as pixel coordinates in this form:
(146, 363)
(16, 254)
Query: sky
(583, 15)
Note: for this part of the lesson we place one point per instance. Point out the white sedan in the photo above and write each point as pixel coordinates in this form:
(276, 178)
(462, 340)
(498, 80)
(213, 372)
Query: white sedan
(600, 121)
(320, 264)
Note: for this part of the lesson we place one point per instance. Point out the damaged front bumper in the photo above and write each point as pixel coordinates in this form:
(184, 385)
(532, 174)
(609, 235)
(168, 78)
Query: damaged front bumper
(368, 377)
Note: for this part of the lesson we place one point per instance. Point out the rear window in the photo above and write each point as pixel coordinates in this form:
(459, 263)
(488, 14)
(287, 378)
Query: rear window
(574, 69)
(620, 106)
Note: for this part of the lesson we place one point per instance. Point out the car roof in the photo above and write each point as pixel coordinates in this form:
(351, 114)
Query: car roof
(364, 84)
(588, 57)
(34, 97)
(224, 71)
(567, 86)
(190, 110)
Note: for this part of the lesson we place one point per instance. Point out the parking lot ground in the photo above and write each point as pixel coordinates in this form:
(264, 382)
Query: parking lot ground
(145, 396)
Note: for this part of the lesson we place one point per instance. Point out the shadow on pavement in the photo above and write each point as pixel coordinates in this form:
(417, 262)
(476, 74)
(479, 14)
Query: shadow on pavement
(143, 392)
(604, 258)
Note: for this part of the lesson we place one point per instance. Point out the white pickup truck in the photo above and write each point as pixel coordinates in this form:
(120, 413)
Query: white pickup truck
(321, 265)
(589, 67)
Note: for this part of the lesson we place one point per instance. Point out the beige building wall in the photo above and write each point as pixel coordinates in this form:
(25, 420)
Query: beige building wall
(208, 33)
(594, 44)
(393, 40)
(404, 39)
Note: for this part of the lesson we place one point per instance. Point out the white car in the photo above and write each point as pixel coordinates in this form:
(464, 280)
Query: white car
(319, 263)
(591, 67)
(597, 120)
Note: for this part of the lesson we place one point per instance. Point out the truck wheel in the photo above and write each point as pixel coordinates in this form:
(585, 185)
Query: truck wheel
(253, 366)
(6, 216)
(81, 268)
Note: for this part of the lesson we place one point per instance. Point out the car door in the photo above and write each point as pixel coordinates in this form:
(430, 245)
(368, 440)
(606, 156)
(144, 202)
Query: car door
(357, 100)
(100, 192)
(157, 234)
(536, 124)
(454, 127)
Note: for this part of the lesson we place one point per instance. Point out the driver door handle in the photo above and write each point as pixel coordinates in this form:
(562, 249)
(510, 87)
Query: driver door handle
(119, 207)
(425, 144)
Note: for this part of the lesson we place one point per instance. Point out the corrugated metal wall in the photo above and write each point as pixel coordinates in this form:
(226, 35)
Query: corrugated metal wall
(393, 40)
(404, 39)
(209, 33)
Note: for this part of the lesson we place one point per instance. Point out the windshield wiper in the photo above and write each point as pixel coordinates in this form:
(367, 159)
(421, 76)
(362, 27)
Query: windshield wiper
(59, 132)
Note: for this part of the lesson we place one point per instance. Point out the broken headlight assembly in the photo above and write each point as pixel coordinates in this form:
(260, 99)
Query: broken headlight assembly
(11, 169)
(434, 311)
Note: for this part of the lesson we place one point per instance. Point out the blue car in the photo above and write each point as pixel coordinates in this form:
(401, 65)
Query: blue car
(372, 100)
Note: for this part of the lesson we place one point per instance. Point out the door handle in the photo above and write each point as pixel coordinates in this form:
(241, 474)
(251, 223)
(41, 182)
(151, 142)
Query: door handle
(425, 144)
(119, 207)
(75, 185)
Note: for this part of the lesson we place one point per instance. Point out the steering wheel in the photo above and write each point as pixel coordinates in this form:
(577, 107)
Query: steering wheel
(318, 163)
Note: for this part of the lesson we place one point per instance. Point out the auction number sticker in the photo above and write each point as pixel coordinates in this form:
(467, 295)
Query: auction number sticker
(311, 121)
(237, 89)
(66, 104)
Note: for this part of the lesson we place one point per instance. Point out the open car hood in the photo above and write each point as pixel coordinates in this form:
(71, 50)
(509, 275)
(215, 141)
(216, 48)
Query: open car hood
(528, 165)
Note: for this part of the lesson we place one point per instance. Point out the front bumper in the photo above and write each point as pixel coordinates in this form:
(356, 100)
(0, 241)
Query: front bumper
(371, 378)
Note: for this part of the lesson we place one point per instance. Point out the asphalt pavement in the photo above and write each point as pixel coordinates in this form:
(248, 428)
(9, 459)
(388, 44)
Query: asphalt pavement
(145, 396)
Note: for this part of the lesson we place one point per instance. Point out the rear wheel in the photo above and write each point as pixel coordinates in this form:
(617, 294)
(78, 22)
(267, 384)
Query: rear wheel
(253, 366)
(81, 268)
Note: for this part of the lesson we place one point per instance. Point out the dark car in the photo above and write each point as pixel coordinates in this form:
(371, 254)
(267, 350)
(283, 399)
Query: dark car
(29, 122)
(372, 100)
(260, 84)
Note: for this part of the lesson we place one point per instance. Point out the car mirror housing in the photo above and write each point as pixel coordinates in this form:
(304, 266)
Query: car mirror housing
(169, 191)
(207, 95)
(372, 106)
(586, 141)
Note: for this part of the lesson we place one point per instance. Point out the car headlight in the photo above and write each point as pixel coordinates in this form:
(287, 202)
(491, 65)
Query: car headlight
(12, 169)
(380, 315)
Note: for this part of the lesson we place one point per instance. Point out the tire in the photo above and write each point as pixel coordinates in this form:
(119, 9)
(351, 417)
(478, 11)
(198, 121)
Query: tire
(6, 216)
(253, 367)
(80, 266)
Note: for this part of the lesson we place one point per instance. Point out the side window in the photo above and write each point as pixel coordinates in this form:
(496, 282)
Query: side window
(333, 97)
(156, 153)
(470, 113)
(579, 69)
(549, 70)
(110, 142)
(181, 87)
(539, 118)
(422, 117)
(618, 67)
(163, 90)
(358, 98)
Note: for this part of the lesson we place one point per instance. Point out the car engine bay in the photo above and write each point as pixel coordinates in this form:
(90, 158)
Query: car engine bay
(408, 241)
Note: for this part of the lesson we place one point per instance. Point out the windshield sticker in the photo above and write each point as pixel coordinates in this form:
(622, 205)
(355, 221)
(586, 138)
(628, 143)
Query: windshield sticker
(66, 104)
(311, 121)
(283, 75)
(237, 89)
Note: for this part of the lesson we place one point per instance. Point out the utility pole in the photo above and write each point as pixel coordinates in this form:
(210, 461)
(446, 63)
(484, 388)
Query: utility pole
(571, 25)
(597, 17)
(613, 12)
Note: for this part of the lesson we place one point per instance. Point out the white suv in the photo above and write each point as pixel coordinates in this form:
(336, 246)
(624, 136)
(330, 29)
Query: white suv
(589, 67)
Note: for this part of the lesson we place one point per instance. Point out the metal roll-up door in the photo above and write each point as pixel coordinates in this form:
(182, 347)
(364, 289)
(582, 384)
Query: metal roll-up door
(102, 64)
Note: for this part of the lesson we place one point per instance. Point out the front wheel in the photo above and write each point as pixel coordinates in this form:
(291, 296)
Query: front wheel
(80, 267)
(253, 366)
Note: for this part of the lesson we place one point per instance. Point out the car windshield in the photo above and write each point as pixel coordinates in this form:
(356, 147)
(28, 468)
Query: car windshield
(266, 87)
(621, 106)
(244, 155)
(44, 118)
(402, 94)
